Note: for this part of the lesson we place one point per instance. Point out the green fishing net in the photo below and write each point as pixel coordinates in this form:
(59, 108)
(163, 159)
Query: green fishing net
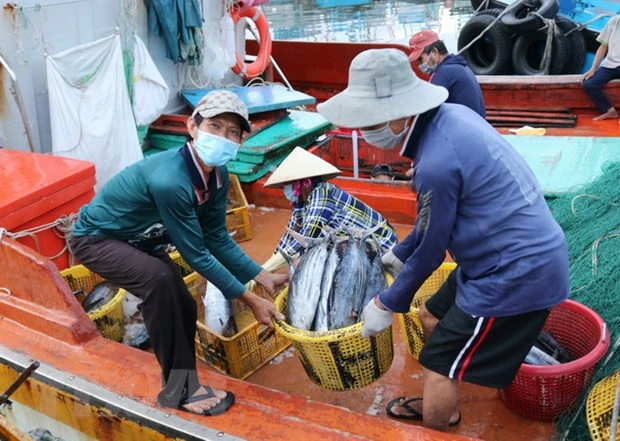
(590, 219)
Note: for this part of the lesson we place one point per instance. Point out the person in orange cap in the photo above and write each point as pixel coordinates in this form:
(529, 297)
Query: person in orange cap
(447, 70)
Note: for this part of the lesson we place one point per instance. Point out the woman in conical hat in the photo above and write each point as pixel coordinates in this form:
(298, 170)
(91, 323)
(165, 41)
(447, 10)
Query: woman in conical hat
(319, 205)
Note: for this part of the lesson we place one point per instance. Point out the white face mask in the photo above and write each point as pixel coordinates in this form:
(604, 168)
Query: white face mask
(383, 137)
(214, 150)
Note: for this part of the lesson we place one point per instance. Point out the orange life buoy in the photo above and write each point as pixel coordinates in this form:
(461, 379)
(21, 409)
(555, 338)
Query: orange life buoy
(259, 65)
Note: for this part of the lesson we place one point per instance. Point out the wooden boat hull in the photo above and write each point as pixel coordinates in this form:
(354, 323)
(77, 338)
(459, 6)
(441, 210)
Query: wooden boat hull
(108, 389)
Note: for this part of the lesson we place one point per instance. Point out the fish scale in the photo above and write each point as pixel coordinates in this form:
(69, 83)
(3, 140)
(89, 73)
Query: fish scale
(349, 286)
(321, 321)
(305, 286)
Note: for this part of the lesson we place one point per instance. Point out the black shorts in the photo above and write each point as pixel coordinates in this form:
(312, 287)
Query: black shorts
(481, 350)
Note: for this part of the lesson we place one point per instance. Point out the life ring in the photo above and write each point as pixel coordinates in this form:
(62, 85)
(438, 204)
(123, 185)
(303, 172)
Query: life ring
(259, 65)
(519, 19)
(491, 54)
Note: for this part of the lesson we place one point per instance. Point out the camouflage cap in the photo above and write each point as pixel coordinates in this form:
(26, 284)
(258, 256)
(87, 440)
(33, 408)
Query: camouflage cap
(223, 101)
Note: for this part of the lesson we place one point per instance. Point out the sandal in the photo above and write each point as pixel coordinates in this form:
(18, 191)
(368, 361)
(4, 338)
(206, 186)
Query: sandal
(416, 415)
(218, 409)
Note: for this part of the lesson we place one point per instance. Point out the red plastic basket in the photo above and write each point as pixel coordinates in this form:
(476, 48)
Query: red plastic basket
(543, 392)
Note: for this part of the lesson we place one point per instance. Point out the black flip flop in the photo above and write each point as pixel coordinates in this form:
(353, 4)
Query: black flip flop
(416, 415)
(218, 409)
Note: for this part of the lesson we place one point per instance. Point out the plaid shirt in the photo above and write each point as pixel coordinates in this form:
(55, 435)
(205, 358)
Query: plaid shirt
(328, 206)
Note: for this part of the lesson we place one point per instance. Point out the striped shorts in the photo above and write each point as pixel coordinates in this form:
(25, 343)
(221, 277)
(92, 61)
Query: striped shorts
(487, 351)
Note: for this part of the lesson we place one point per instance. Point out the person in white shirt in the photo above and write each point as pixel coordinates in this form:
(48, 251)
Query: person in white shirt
(602, 73)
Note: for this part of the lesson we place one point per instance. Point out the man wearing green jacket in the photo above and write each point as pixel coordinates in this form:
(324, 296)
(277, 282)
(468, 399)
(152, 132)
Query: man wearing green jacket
(177, 197)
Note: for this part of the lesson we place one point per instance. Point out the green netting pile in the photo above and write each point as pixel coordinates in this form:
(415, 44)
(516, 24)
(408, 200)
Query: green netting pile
(591, 221)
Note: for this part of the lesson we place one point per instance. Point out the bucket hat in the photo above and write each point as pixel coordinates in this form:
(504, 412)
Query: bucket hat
(223, 101)
(301, 164)
(382, 87)
(419, 41)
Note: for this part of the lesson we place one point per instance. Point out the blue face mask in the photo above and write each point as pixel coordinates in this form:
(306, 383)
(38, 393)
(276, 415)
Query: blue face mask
(214, 150)
(288, 193)
(428, 69)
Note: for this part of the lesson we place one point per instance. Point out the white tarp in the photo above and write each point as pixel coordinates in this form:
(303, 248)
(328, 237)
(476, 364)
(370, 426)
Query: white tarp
(150, 91)
(90, 111)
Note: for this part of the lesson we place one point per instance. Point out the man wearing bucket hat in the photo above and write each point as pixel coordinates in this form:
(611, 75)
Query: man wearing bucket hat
(176, 197)
(447, 70)
(477, 199)
(320, 206)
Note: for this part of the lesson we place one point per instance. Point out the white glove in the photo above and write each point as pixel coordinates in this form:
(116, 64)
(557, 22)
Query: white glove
(392, 263)
(375, 319)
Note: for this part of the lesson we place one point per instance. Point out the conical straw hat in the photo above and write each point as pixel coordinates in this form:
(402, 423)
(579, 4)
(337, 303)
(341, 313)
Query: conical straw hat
(301, 164)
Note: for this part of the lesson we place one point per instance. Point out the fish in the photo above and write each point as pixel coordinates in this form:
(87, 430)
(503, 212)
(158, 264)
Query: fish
(375, 277)
(101, 294)
(539, 357)
(349, 285)
(305, 285)
(218, 312)
(321, 320)
(547, 343)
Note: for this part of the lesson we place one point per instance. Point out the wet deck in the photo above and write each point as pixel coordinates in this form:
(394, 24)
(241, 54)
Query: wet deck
(484, 414)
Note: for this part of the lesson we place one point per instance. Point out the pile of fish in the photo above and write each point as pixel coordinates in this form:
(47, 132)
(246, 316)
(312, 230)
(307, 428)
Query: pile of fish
(135, 334)
(100, 296)
(333, 282)
(547, 352)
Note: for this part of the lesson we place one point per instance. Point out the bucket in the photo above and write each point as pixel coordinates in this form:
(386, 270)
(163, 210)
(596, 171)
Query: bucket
(340, 359)
(542, 393)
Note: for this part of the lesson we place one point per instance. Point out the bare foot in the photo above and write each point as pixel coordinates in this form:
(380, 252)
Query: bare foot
(410, 408)
(206, 404)
(610, 114)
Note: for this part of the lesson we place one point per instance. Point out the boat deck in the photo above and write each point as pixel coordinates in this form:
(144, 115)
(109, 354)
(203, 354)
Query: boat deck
(483, 413)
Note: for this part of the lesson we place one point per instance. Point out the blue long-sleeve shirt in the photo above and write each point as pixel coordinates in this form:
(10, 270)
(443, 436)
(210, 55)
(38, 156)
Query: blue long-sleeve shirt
(478, 199)
(455, 75)
(163, 199)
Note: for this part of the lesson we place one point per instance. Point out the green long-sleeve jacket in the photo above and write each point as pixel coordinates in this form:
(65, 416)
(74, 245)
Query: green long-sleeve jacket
(166, 199)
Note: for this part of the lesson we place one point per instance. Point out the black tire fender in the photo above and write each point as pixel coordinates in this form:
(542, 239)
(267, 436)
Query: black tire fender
(528, 51)
(491, 54)
(521, 20)
(577, 45)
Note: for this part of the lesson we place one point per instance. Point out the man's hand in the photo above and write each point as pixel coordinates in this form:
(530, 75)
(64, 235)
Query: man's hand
(264, 311)
(376, 318)
(392, 263)
(272, 282)
(587, 75)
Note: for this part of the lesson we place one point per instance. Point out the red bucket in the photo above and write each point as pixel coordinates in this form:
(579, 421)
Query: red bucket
(543, 392)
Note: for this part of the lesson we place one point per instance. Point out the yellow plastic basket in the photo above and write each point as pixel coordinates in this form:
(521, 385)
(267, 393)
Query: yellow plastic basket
(340, 359)
(109, 318)
(599, 407)
(239, 355)
(410, 322)
(237, 213)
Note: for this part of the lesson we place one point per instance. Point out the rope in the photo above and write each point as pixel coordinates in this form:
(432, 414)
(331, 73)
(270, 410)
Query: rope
(581, 26)
(595, 245)
(62, 227)
(5, 293)
(552, 31)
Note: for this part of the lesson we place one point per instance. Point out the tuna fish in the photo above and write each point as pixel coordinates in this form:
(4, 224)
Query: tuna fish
(305, 285)
(375, 279)
(218, 312)
(101, 294)
(321, 320)
(349, 285)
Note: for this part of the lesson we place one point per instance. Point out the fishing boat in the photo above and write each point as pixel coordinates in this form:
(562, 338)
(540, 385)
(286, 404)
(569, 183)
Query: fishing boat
(84, 386)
